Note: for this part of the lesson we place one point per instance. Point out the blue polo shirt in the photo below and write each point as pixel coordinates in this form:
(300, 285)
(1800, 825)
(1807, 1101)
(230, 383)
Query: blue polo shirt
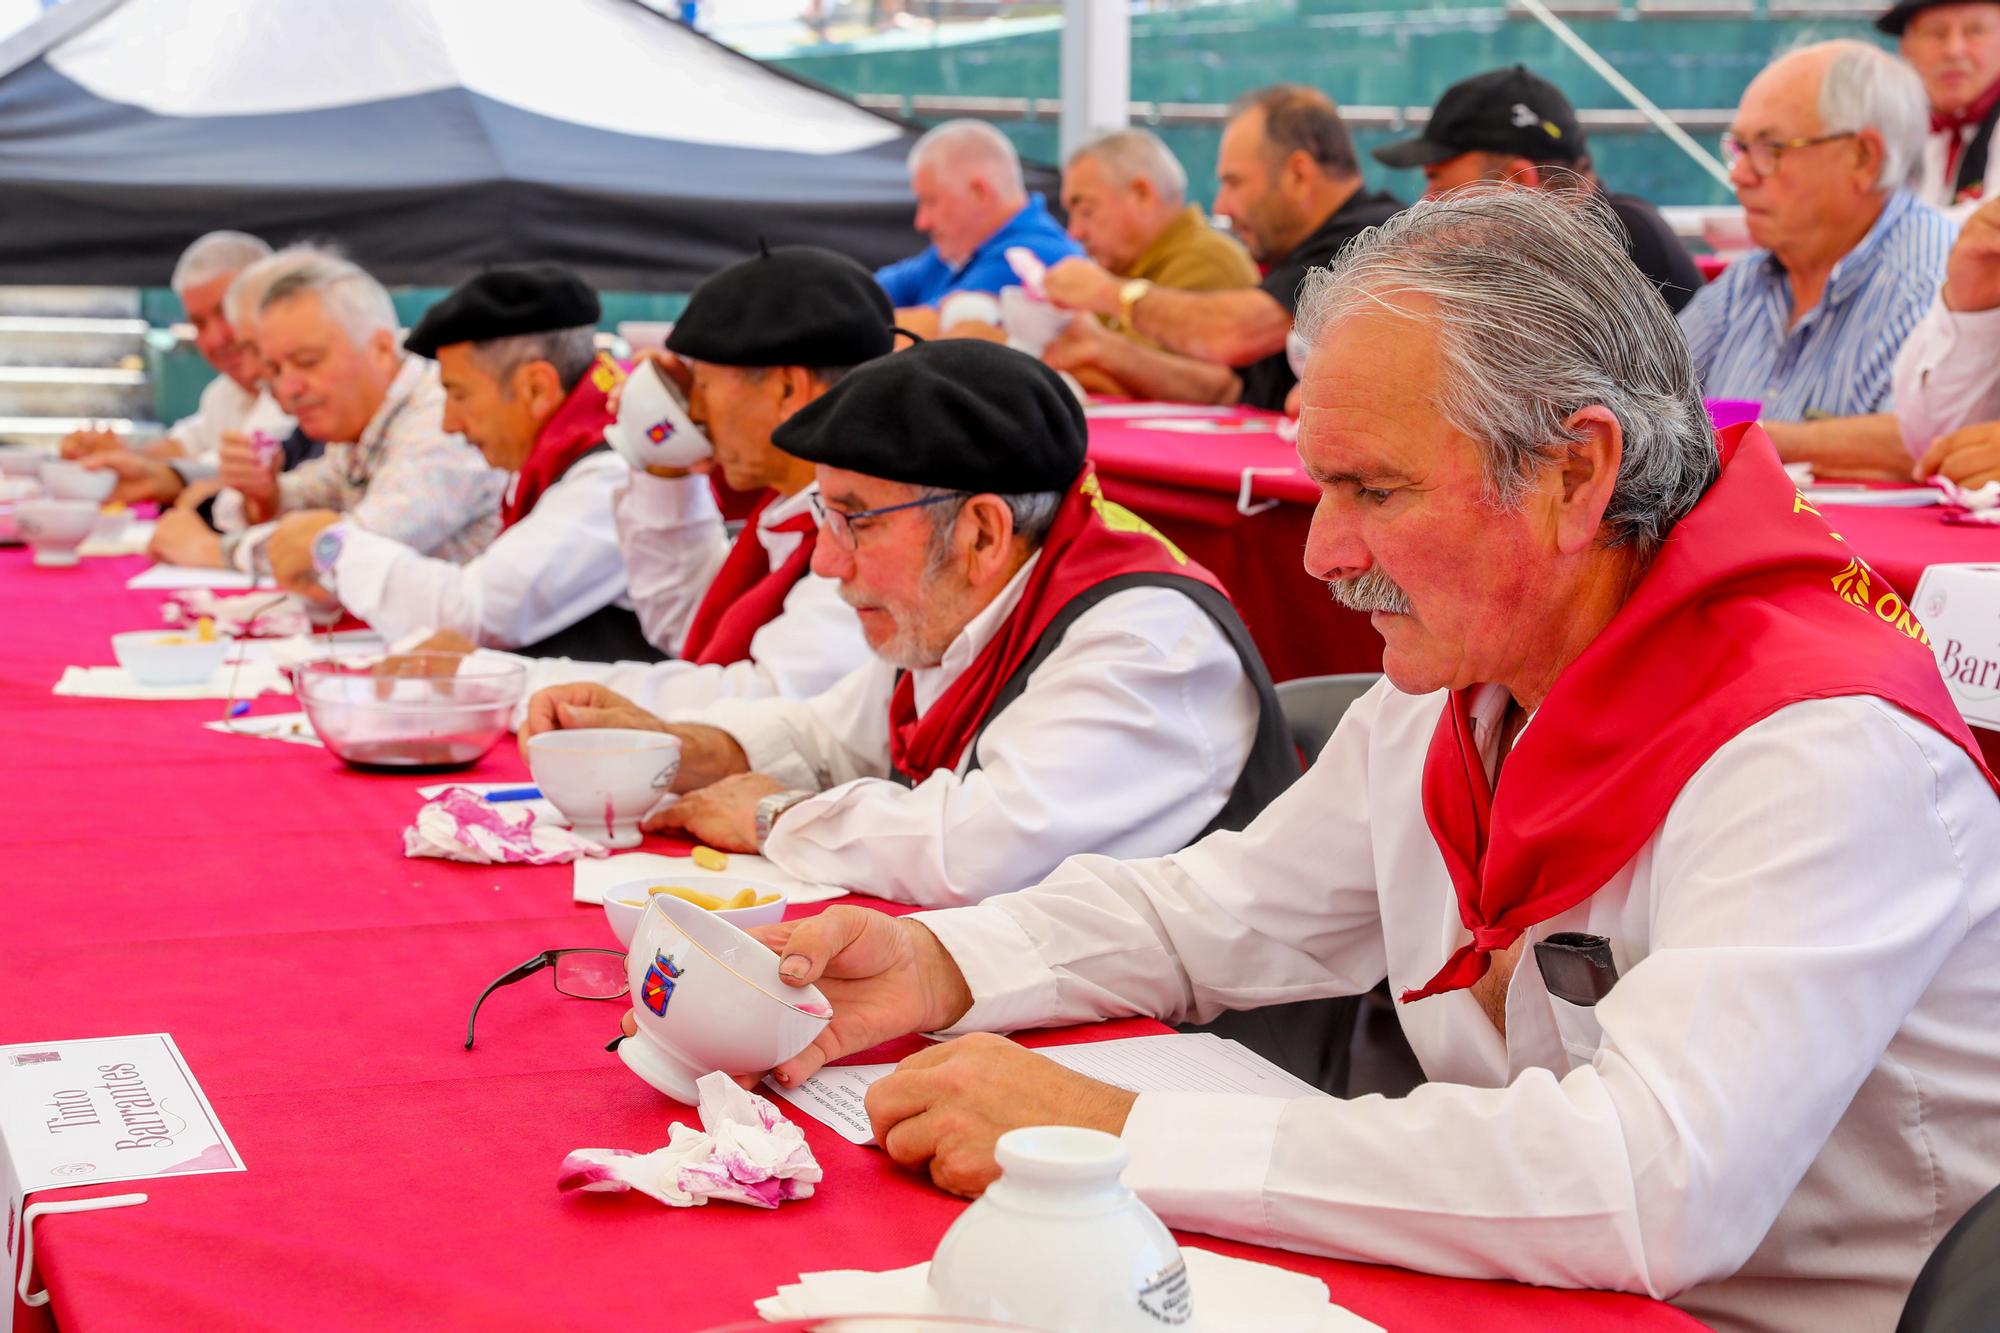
(925, 279)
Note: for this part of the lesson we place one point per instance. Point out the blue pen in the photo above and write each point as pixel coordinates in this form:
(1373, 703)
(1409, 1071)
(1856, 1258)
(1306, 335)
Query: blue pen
(239, 708)
(515, 794)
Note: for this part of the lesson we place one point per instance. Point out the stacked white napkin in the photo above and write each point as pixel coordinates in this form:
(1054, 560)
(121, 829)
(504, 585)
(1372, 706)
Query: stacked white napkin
(268, 613)
(1229, 1294)
(744, 1152)
(461, 825)
(110, 682)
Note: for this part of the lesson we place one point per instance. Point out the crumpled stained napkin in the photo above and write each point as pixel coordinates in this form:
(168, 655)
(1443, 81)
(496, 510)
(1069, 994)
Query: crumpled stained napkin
(460, 825)
(745, 1152)
(1228, 1294)
(1980, 503)
(263, 614)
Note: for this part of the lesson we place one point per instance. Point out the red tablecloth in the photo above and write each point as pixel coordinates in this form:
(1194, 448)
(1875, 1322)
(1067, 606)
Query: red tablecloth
(251, 898)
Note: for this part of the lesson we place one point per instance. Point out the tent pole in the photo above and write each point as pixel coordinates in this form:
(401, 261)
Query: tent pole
(1096, 69)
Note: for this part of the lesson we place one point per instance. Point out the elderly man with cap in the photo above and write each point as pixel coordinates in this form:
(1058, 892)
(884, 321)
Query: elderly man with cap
(1954, 46)
(1663, 828)
(524, 383)
(1511, 125)
(758, 341)
(1291, 188)
(1050, 675)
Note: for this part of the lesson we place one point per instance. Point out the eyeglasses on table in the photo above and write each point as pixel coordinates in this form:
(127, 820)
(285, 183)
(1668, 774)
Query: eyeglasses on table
(584, 974)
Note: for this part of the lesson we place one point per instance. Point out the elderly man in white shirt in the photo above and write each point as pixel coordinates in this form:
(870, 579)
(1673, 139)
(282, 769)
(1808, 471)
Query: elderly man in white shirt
(1662, 826)
(234, 401)
(329, 337)
(1049, 674)
(525, 385)
(758, 341)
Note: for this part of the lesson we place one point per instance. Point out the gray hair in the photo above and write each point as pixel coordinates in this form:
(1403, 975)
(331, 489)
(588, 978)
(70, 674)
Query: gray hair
(245, 296)
(1538, 313)
(1866, 88)
(1128, 155)
(971, 144)
(353, 299)
(570, 351)
(1034, 514)
(216, 255)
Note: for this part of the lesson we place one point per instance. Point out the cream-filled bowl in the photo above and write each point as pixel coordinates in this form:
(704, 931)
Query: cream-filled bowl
(55, 528)
(604, 779)
(74, 481)
(169, 657)
(708, 997)
(625, 904)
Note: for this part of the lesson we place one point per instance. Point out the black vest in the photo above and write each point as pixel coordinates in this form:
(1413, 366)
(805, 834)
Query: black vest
(1972, 161)
(1273, 764)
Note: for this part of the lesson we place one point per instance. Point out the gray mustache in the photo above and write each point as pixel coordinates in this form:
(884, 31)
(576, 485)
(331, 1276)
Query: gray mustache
(1373, 591)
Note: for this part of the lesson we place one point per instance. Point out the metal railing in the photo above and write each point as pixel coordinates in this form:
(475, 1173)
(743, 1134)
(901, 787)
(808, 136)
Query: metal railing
(928, 106)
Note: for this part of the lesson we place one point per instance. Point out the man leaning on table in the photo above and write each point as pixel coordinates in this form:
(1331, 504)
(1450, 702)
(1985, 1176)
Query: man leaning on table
(328, 335)
(524, 383)
(1676, 852)
(758, 341)
(1049, 673)
(1809, 323)
(1291, 187)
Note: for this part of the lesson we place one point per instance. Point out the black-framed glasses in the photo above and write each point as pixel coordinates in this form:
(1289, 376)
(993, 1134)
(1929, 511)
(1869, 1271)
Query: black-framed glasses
(1764, 155)
(586, 974)
(841, 525)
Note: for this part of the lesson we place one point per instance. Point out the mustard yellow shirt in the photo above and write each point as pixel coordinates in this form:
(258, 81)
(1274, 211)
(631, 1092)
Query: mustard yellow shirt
(1192, 256)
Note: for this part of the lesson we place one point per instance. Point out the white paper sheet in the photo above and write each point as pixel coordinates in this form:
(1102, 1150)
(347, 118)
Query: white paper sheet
(1133, 411)
(132, 539)
(1204, 426)
(594, 877)
(1913, 497)
(1168, 1062)
(110, 682)
(165, 577)
(289, 727)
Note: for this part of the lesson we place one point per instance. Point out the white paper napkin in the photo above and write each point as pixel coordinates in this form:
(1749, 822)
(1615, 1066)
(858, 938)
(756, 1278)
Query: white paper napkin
(745, 1152)
(131, 539)
(1229, 1294)
(1978, 502)
(461, 825)
(253, 679)
(545, 809)
(594, 877)
(292, 728)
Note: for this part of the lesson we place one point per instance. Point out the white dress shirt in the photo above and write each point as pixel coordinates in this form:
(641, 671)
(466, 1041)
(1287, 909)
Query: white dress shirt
(813, 641)
(1128, 739)
(226, 406)
(674, 542)
(558, 564)
(1932, 185)
(1947, 375)
(1776, 1113)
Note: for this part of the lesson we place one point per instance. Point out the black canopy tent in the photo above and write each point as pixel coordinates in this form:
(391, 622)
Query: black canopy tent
(428, 138)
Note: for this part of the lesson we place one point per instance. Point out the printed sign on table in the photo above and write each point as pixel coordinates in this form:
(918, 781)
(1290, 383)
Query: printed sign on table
(1960, 609)
(98, 1110)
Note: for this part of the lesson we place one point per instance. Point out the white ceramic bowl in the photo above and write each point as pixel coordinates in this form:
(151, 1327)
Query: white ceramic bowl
(604, 779)
(55, 528)
(410, 724)
(653, 429)
(168, 657)
(625, 904)
(14, 488)
(74, 481)
(708, 997)
(21, 460)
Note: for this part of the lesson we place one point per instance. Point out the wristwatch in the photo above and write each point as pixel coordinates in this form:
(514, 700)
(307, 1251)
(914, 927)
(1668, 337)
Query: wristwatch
(771, 807)
(326, 553)
(1129, 296)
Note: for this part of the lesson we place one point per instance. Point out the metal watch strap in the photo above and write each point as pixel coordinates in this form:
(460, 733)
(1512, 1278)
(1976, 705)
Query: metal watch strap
(771, 807)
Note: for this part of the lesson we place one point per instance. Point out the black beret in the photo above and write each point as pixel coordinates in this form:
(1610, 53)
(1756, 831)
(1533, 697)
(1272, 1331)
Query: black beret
(1899, 14)
(961, 414)
(797, 305)
(503, 301)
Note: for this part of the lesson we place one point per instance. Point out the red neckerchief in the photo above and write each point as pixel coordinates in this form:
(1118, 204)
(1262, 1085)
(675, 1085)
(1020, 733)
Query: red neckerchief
(1752, 604)
(1091, 540)
(575, 430)
(1966, 117)
(747, 593)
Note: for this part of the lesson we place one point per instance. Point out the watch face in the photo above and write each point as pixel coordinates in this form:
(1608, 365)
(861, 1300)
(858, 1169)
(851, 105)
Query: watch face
(326, 548)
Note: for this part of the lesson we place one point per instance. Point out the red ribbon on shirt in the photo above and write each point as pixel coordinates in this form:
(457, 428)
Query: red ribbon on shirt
(1753, 603)
(1092, 540)
(747, 592)
(576, 428)
(1958, 122)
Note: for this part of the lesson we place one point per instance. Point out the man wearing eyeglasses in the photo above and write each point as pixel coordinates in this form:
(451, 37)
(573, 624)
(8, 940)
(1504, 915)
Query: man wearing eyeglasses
(1809, 323)
(1955, 48)
(1051, 676)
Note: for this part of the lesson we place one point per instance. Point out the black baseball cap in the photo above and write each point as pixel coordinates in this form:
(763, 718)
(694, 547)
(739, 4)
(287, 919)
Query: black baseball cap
(1502, 111)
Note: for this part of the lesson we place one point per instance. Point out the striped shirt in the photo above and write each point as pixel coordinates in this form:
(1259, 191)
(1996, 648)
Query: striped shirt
(1837, 361)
